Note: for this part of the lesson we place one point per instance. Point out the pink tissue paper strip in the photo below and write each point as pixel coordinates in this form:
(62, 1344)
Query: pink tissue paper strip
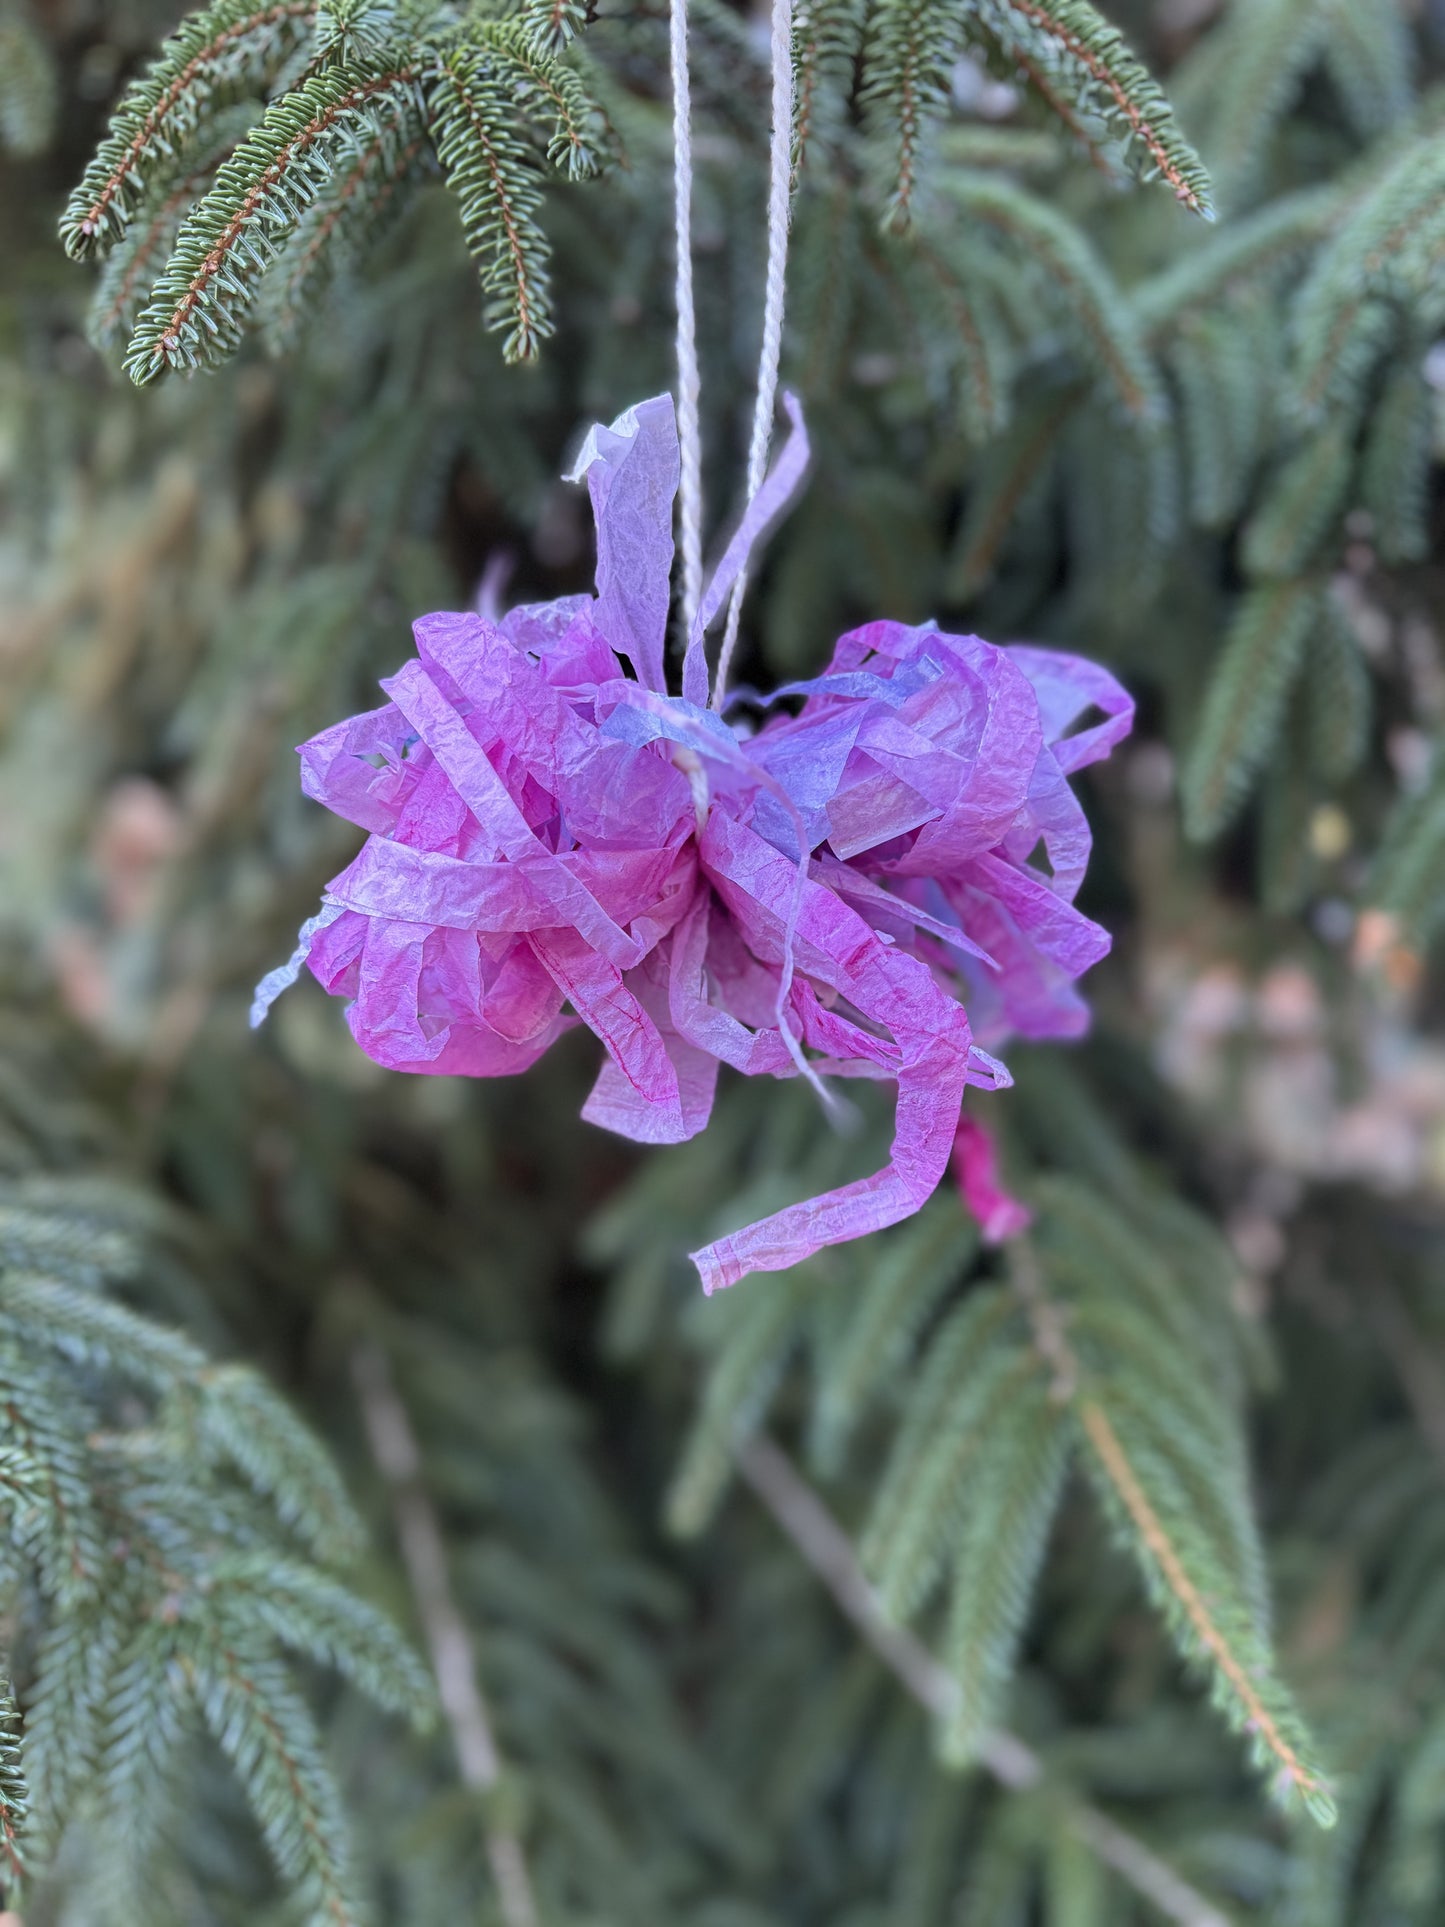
(853, 890)
(1000, 1215)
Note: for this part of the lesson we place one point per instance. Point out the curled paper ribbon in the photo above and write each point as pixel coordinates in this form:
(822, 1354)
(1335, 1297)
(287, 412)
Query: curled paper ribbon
(554, 841)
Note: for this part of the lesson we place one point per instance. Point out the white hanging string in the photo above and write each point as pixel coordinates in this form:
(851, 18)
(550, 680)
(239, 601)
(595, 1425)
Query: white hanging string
(689, 429)
(780, 181)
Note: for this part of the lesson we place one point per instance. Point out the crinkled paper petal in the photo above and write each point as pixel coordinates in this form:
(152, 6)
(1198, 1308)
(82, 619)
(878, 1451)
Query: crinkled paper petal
(886, 987)
(632, 473)
(1066, 686)
(485, 794)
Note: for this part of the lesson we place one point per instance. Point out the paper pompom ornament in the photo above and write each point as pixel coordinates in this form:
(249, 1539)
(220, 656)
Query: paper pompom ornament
(555, 839)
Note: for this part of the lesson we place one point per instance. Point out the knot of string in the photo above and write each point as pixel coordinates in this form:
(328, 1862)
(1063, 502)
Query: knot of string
(780, 173)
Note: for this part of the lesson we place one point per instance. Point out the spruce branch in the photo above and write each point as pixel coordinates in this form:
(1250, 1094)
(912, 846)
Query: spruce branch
(135, 262)
(1069, 49)
(978, 362)
(827, 39)
(1263, 54)
(70, 1702)
(307, 1611)
(997, 1555)
(1255, 249)
(195, 315)
(1369, 58)
(1014, 466)
(1301, 506)
(1398, 457)
(1408, 875)
(494, 175)
(740, 1386)
(1382, 261)
(896, 1299)
(1271, 1730)
(235, 1418)
(14, 1794)
(1227, 367)
(1245, 702)
(266, 1730)
(908, 62)
(1071, 277)
(827, 1549)
(354, 209)
(397, 1455)
(353, 30)
(554, 24)
(550, 94)
(28, 88)
(971, 1385)
(215, 57)
(1205, 1585)
(1339, 696)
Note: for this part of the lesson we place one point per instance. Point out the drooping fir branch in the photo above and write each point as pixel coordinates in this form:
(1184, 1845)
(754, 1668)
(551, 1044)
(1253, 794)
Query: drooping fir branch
(268, 1733)
(1012, 468)
(1227, 367)
(215, 57)
(1244, 1687)
(1079, 65)
(909, 56)
(552, 24)
(1245, 702)
(1260, 56)
(827, 38)
(1382, 263)
(493, 175)
(197, 310)
(1239, 255)
(325, 169)
(14, 1794)
(28, 87)
(133, 264)
(550, 94)
(1087, 61)
(362, 199)
(1398, 457)
(1162, 1475)
(1339, 697)
(1299, 509)
(821, 1541)
(163, 1520)
(1408, 878)
(962, 333)
(1068, 275)
(1369, 57)
(350, 30)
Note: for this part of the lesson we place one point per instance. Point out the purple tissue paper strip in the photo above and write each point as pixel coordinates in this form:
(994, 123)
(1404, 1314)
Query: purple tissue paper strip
(853, 891)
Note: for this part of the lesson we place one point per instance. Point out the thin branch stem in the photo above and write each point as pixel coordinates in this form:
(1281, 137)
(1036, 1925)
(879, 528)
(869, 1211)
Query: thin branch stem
(423, 1550)
(824, 1545)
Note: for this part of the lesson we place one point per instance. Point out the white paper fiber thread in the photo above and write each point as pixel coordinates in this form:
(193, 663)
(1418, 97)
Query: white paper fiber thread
(780, 184)
(689, 430)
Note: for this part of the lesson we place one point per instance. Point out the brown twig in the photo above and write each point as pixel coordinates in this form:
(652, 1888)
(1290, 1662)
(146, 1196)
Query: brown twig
(398, 1459)
(829, 1551)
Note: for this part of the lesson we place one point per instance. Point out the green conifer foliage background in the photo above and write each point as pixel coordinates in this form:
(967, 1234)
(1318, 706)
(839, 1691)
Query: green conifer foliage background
(388, 1530)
